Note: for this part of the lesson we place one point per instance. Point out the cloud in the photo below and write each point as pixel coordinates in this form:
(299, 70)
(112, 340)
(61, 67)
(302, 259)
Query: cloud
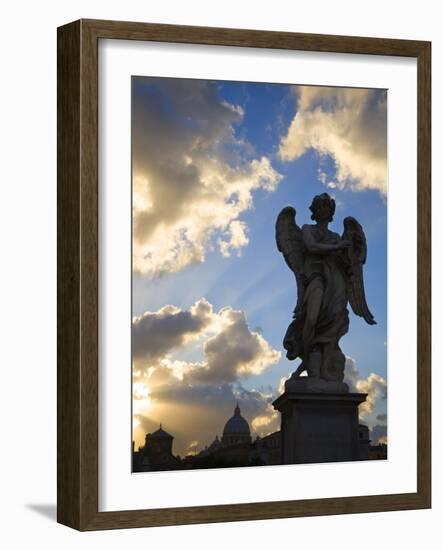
(378, 434)
(195, 414)
(192, 447)
(194, 397)
(237, 238)
(352, 374)
(235, 351)
(230, 348)
(281, 385)
(192, 176)
(347, 124)
(376, 388)
(374, 385)
(267, 422)
(157, 333)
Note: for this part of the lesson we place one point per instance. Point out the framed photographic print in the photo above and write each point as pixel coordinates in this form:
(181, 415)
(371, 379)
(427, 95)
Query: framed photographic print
(243, 269)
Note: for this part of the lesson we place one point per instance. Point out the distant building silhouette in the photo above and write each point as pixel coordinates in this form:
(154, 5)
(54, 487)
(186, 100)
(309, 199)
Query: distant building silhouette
(235, 448)
(378, 452)
(156, 453)
(236, 430)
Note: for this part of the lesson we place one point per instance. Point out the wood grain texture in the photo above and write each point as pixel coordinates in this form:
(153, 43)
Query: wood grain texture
(77, 225)
(424, 274)
(68, 276)
(253, 38)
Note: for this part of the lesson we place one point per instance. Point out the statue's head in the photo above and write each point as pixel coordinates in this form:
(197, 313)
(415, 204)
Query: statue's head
(323, 207)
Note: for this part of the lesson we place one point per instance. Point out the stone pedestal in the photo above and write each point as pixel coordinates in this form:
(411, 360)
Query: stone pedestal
(319, 426)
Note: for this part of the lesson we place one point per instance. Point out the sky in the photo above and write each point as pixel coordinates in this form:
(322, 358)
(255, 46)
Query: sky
(213, 163)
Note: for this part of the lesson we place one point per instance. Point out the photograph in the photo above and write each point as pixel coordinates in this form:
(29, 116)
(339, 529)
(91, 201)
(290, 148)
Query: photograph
(218, 228)
(259, 274)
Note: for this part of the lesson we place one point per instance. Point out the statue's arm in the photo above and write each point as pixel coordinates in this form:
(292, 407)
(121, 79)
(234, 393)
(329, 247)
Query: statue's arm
(313, 246)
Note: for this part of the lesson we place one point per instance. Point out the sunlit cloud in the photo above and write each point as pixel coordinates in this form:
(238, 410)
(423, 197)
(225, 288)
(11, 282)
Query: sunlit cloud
(376, 388)
(347, 124)
(196, 413)
(192, 176)
(229, 347)
(267, 422)
(237, 238)
(159, 332)
(192, 447)
(195, 183)
(374, 385)
(195, 398)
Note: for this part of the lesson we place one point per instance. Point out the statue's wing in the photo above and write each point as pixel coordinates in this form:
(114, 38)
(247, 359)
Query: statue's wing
(356, 255)
(290, 243)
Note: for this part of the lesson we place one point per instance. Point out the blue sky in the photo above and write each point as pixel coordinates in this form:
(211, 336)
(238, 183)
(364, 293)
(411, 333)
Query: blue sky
(300, 141)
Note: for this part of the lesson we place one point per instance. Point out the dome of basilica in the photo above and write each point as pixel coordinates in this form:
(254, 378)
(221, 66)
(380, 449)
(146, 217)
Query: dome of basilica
(237, 425)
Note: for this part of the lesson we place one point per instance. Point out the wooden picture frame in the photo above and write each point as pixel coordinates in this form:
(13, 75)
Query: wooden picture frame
(77, 225)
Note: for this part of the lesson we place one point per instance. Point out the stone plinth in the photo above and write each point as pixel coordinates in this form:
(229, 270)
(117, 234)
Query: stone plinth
(319, 426)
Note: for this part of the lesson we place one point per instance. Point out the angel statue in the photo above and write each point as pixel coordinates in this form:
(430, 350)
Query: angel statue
(329, 274)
